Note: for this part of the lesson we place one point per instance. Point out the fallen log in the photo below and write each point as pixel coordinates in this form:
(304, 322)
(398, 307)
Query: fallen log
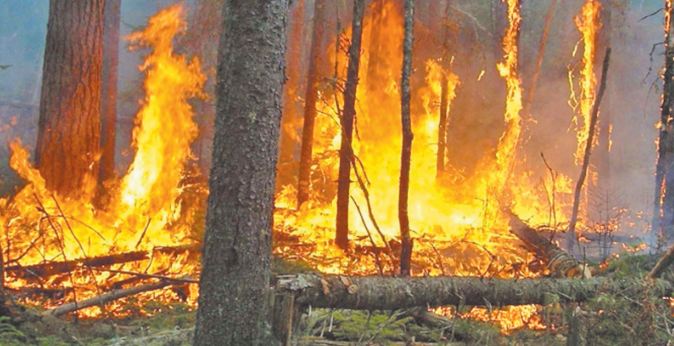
(386, 293)
(106, 298)
(560, 263)
(46, 269)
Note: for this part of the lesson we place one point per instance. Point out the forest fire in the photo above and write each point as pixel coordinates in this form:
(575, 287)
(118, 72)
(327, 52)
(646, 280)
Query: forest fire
(483, 218)
(454, 218)
(146, 210)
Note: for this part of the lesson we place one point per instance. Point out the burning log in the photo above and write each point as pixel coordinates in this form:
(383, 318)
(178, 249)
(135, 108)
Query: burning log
(107, 297)
(53, 268)
(386, 293)
(560, 263)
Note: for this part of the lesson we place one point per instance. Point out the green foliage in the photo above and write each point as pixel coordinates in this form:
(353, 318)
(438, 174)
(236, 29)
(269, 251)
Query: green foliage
(630, 266)
(9, 334)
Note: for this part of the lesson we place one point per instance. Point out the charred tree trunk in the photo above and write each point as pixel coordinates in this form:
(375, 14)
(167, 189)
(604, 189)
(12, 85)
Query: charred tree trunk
(68, 140)
(237, 245)
(571, 232)
(406, 153)
(314, 79)
(111, 19)
(663, 208)
(349, 113)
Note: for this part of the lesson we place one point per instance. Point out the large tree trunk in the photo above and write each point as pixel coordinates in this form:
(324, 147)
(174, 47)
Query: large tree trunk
(314, 79)
(406, 153)
(68, 140)
(111, 16)
(237, 245)
(349, 113)
(663, 208)
(386, 293)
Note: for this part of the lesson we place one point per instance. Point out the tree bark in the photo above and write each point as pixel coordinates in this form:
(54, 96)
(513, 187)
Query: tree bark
(386, 293)
(111, 15)
(349, 113)
(663, 213)
(68, 140)
(559, 262)
(234, 283)
(311, 98)
(406, 153)
(571, 232)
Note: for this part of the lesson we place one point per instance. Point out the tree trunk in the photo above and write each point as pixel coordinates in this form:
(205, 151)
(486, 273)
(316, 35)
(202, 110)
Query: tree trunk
(559, 262)
(444, 97)
(68, 140)
(406, 153)
(287, 166)
(386, 293)
(314, 79)
(571, 232)
(111, 19)
(663, 215)
(349, 113)
(237, 244)
(540, 57)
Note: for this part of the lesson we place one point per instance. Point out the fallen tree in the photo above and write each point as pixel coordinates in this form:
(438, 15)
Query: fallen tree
(558, 261)
(386, 293)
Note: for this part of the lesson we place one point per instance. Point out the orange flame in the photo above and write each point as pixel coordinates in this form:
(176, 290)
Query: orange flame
(508, 69)
(588, 23)
(144, 210)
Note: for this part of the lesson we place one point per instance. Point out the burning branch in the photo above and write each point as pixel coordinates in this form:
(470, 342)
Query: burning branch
(53, 268)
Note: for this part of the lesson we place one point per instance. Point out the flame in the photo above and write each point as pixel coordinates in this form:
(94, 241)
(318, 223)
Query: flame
(457, 223)
(145, 209)
(456, 218)
(508, 69)
(588, 23)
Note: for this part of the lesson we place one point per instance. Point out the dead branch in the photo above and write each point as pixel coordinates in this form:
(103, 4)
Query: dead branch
(106, 298)
(52, 268)
(665, 261)
(150, 276)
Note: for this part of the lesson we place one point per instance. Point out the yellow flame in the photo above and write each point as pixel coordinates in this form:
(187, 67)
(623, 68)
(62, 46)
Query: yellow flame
(508, 69)
(144, 210)
(588, 23)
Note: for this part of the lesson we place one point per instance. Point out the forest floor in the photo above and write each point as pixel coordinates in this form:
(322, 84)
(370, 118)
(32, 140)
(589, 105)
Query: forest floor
(606, 320)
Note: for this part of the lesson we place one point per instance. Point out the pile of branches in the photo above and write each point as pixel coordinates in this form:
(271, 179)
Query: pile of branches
(38, 276)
